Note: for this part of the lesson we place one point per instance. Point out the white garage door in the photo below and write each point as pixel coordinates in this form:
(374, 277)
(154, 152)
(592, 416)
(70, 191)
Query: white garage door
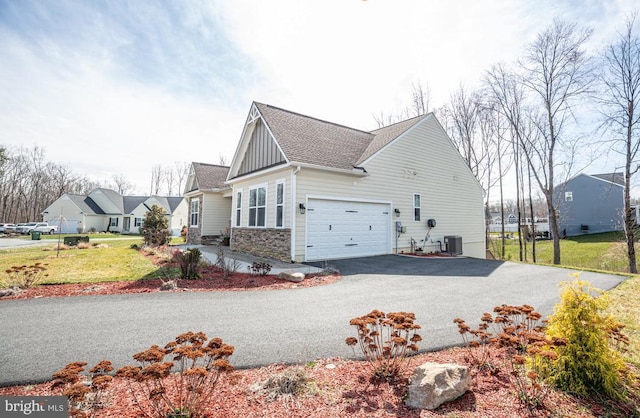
(343, 229)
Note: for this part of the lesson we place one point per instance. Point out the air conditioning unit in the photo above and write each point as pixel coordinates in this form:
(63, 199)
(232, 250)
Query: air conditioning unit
(453, 244)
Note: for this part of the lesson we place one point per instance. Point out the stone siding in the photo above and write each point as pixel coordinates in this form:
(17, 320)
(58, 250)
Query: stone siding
(194, 233)
(263, 242)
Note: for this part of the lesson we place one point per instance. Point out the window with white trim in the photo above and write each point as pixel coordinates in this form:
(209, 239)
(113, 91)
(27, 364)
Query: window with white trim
(416, 207)
(258, 206)
(137, 222)
(113, 221)
(195, 209)
(280, 205)
(238, 207)
(568, 196)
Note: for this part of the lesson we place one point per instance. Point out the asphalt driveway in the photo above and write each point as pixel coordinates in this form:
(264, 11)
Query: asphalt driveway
(40, 336)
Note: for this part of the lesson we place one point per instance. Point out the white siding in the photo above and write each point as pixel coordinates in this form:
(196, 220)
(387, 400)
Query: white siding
(422, 161)
(215, 213)
(270, 181)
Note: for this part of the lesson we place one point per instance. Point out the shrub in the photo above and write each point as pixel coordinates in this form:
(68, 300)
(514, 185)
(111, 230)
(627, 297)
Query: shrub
(24, 277)
(155, 227)
(588, 364)
(519, 332)
(196, 366)
(283, 386)
(227, 266)
(385, 341)
(83, 398)
(189, 262)
(258, 268)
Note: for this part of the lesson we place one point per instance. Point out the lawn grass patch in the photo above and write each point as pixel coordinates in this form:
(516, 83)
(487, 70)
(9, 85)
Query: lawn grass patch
(625, 306)
(597, 252)
(115, 262)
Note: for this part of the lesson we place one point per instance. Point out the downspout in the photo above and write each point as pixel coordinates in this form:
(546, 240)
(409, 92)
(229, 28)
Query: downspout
(294, 213)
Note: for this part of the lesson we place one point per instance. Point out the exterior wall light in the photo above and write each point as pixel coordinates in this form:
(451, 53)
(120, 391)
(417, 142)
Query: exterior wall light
(302, 208)
(397, 212)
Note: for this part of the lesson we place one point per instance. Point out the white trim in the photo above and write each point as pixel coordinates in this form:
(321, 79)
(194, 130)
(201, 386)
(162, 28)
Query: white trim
(388, 144)
(264, 186)
(195, 199)
(237, 220)
(245, 138)
(275, 203)
(258, 173)
(294, 212)
(413, 217)
(347, 199)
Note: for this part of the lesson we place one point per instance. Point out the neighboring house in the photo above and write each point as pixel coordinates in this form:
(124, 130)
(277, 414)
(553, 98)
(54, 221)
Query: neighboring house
(589, 204)
(305, 189)
(209, 200)
(106, 210)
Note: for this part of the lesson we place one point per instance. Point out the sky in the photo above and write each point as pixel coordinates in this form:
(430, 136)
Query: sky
(114, 87)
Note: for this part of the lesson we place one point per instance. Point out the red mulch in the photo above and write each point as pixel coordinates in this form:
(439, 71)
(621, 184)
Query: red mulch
(339, 388)
(212, 281)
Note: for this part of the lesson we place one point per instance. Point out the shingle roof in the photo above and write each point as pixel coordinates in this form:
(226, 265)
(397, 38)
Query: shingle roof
(210, 176)
(86, 204)
(305, 139)
(617, 178)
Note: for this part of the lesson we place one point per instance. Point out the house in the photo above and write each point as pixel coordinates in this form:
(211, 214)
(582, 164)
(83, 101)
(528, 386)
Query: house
(589, 204)
(209, 203)
(305, 189)
(107, 210)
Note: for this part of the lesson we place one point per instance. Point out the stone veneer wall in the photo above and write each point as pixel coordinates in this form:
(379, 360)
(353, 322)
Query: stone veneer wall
(263, 242)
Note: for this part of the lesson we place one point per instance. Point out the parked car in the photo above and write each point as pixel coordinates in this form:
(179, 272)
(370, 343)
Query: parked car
(42, 227)
(7, 228)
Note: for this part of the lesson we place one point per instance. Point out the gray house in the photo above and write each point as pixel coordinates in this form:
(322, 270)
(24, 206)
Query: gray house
(589, 204)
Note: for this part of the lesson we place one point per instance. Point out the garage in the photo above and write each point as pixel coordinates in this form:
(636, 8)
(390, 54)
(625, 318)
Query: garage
(343, 229)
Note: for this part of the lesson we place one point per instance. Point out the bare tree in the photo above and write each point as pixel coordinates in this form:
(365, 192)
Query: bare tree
(157, 178)
(420, 99)
(557, 72)
(182, 172)
(621, 79)
(222, 160)
(122, 185)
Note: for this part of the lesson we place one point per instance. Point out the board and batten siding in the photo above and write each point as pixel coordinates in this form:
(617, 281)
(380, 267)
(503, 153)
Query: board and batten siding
(215, 213)
(422, 161)
(261, 151)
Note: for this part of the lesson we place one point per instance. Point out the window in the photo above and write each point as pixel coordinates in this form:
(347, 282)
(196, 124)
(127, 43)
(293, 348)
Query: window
(113, 221)
(416, 207)
(568, 196)
(257, 206)
(279, 205)
(238, 208)
(137, 222)
(195, 208)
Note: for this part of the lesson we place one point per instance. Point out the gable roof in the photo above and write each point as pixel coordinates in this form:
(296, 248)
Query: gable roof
(207, 177)
(126, 204)
(617, 178)
(614, 179)
(311, 141)
(85, 204)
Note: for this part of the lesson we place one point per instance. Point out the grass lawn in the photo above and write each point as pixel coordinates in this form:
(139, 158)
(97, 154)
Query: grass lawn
(114, 262)
(605, 252)
(601, 252)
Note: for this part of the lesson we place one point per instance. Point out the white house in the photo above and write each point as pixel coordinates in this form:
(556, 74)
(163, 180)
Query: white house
(106, 210)
(209, 202)
(304, 189)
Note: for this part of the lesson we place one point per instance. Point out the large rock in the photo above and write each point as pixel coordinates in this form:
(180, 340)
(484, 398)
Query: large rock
(291, 276)
(433, 384)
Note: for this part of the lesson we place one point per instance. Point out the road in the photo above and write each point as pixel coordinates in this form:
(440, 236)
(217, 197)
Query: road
(40, 336)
